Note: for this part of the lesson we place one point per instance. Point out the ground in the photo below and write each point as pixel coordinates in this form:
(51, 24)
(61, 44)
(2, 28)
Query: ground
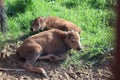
(55, 70)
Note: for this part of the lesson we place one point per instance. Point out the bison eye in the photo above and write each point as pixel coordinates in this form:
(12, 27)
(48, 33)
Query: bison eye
(72, 41)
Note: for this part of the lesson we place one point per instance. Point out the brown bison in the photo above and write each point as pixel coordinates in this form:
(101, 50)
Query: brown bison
(52, 45)
(51, 22)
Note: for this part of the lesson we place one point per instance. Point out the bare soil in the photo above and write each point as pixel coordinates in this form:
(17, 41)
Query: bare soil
(55, 70)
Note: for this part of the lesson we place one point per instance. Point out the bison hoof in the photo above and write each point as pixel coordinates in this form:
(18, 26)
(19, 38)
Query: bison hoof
(44, 74)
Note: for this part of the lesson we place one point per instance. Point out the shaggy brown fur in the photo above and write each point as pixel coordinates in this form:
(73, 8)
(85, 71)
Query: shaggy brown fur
(51, 22)
(52, 44)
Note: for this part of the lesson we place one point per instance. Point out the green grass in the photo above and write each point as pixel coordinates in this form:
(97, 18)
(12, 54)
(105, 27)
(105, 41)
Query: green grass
(92, 16)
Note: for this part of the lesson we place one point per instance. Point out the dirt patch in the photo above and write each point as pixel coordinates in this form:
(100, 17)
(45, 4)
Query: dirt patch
(55, 71)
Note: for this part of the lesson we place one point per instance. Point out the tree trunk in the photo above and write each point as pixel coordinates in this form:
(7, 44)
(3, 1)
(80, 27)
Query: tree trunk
(3, 24)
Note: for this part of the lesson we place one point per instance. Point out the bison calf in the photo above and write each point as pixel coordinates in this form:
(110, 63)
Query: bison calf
(52, 44)
(51, 22)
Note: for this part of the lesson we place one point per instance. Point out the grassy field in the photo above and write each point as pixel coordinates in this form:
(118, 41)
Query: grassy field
(94, 17)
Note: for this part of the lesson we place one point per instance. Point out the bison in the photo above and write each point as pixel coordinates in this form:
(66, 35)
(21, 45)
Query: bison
(52, 45)
(42, 23)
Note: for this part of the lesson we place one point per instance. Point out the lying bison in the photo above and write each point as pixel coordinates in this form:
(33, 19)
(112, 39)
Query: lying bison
(51, 22)
(52, 45)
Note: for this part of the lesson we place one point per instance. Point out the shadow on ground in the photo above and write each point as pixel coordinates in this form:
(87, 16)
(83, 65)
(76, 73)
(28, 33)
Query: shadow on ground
(55, 71)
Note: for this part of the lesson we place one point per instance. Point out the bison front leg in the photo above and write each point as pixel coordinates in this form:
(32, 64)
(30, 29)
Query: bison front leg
(28, 65)
(53, 57)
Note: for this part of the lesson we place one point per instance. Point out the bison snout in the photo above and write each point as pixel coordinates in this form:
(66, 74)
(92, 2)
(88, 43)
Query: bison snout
(79, 48)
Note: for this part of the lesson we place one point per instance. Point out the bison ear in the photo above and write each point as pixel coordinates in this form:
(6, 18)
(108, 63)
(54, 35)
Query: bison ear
(70, 36)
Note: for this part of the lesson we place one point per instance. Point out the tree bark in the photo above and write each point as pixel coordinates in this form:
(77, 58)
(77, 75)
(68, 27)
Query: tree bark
(116, 66)
(3, 24)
